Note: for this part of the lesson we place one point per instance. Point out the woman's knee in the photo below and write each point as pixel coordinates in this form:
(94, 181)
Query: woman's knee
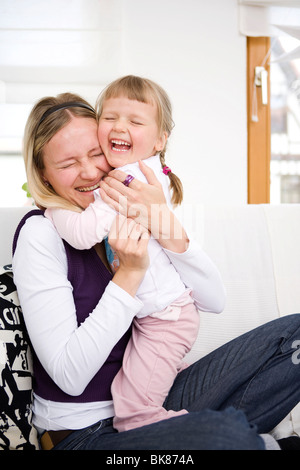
(221, 430)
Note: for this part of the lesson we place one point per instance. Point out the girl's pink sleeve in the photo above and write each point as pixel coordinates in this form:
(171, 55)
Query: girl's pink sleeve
(85, 229)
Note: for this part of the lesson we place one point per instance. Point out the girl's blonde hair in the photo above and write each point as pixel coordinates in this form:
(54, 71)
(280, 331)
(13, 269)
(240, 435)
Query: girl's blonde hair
(38, 132)
(146, 91)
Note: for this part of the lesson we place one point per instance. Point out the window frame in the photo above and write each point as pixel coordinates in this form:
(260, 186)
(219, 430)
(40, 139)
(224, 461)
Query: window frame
(259, 133)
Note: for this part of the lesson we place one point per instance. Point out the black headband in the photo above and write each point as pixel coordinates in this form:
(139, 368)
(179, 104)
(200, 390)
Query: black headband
(71, 104)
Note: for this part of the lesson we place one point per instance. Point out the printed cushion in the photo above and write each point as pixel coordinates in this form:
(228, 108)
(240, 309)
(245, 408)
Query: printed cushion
(16, 430)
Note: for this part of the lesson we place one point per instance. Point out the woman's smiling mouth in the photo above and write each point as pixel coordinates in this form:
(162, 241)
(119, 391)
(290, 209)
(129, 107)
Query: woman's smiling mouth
(85, 189)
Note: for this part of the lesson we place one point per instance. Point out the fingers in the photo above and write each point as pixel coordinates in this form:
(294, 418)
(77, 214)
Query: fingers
(119, 229)
(130, 241)
(120, 177)
(125, 200)
(149, 173)
(114, 188)
(116, 178)
(114, 199)
(125, 229)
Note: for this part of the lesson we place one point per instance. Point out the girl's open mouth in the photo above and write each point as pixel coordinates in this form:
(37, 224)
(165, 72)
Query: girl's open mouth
(120, 145)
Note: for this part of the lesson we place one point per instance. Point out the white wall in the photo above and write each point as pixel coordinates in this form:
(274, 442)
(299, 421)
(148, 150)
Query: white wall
(192, 48)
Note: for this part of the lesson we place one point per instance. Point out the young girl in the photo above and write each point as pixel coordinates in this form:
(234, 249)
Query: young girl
(134, 124)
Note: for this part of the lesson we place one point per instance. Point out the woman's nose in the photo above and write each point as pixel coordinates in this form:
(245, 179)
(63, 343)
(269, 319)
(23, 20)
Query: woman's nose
(89, 170)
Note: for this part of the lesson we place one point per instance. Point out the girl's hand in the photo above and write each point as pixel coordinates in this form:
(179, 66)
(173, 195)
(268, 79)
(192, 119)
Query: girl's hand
(130, 241)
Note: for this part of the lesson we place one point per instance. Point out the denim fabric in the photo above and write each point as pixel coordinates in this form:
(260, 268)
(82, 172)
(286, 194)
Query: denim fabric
(244, 388)
(203, 430)
(255, 373)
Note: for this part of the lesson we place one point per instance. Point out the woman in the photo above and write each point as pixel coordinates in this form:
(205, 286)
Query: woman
(78, 315)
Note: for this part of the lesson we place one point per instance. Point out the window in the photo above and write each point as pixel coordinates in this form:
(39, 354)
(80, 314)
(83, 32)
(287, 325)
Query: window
(285, 122)
(48, 48)
(12, 171)
(258, 125)
(273, 129)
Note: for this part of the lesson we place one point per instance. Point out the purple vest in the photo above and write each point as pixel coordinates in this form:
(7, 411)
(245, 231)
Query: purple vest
(89, 278)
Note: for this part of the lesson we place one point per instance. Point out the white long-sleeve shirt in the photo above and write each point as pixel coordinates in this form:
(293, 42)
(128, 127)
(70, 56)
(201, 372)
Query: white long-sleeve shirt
(71, 354)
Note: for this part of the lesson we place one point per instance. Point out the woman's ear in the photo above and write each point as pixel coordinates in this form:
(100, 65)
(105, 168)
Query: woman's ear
(46, 183)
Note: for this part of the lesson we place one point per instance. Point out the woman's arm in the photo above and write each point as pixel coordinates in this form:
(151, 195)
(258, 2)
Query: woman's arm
(198, 272)
(70, 354)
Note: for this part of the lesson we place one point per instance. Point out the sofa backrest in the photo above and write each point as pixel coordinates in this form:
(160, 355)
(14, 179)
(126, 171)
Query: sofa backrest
(9, 219)
(257, 250)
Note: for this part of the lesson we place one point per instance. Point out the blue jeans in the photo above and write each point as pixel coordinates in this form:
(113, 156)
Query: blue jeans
(238, 391)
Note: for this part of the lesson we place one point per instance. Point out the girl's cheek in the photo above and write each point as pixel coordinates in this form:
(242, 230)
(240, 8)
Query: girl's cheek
(107, 168)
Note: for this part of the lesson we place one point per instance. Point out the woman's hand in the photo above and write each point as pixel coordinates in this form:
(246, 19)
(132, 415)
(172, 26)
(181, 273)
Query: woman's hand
(136, 201)
(146, 205)
(130, 241)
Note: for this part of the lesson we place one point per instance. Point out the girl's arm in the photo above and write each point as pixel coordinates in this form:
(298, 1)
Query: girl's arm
(70, 354)
(85, 229)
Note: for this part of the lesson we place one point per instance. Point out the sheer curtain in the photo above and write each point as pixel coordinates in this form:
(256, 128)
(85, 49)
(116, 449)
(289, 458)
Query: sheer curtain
(58, 43)
(48, 47)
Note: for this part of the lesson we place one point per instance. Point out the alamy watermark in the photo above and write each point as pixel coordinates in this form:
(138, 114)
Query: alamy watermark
(157, 218)
(296, 354)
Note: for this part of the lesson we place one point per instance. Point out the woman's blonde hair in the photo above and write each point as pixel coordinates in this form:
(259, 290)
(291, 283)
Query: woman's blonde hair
(39, 130)
(146, 91)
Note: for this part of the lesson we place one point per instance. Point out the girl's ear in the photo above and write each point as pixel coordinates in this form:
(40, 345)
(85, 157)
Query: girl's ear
(161, 142)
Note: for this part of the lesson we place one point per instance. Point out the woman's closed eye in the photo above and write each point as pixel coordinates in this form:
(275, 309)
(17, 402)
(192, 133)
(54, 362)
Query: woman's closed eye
(67, 165)
(108, 118)
(100, 154)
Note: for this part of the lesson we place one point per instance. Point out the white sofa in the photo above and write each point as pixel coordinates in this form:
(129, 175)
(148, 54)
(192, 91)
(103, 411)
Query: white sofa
(257, 250)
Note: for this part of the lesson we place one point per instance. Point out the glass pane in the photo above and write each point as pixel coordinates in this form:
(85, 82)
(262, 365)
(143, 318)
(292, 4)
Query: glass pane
(285, 123)
(12, 172)
(12, 178)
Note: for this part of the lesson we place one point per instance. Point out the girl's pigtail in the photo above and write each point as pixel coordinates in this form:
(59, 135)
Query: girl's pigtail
(175, 183)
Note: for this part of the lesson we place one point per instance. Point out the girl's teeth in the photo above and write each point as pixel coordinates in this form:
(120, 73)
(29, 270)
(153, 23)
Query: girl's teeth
(120, 145)
(120, 142)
